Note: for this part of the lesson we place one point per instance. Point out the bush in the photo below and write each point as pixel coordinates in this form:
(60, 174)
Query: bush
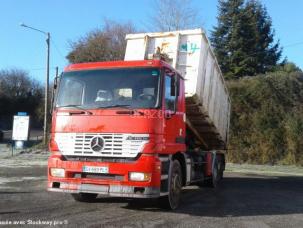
(267, 119)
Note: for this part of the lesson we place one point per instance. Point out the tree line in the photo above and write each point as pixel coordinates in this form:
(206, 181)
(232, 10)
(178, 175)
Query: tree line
(267, 99)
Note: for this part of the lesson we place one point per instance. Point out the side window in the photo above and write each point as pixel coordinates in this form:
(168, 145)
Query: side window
(170, 93)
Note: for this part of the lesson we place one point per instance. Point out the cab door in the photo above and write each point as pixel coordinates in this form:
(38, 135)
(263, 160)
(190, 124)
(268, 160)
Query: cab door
(174, 128)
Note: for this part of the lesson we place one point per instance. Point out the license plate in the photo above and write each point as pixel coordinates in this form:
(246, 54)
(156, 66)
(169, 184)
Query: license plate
(95, 169)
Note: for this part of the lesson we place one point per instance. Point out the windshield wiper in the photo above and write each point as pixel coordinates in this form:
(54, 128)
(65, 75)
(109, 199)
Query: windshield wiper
(125, 106)
(116, 106)
(77, 107)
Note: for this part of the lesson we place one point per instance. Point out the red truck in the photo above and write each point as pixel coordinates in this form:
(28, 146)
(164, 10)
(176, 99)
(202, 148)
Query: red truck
(132, 129)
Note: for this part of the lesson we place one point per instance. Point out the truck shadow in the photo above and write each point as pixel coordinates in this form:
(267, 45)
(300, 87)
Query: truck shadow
(245, 195)
(13, 193)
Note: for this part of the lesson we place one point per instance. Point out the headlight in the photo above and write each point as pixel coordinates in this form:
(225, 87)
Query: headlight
(136, 176)
(57, 172)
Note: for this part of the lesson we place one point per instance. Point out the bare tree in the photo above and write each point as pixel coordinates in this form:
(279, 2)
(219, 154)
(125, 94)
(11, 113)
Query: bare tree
(19, 92)
(16, 83)
(171, 15)
(103, 44)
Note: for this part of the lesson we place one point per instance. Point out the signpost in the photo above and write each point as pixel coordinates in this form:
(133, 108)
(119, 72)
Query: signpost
(20, 129)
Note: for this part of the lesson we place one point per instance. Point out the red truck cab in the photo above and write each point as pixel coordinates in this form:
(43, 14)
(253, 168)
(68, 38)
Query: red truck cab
(119, 129)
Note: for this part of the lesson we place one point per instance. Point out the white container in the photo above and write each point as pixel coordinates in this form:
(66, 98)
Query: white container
(190, 53)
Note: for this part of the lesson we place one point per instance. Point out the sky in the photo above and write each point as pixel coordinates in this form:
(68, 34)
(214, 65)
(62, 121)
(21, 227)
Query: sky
(68, 20)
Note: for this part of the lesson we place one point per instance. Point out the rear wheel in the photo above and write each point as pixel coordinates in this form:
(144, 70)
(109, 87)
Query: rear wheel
(84, 197)
(172, 200)
(213, 181)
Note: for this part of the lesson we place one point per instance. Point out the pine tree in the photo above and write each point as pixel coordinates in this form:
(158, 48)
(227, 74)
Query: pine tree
(267, 52)
(221, 36)
(241, 46)
(243, 40)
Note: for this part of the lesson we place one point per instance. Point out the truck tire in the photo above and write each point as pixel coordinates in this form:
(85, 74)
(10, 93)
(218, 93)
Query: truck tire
(221, 166)
(221, 171)
(172, 200)
(84, 197)
(212, 182)
(1, 136)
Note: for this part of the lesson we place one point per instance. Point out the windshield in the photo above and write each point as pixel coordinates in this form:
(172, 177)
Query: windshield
(93, 89)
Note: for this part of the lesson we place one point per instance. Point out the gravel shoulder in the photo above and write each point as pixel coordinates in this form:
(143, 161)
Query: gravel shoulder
(274, 170)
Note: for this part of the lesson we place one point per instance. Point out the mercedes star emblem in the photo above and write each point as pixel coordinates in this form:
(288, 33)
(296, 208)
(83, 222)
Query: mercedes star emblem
(97, 143)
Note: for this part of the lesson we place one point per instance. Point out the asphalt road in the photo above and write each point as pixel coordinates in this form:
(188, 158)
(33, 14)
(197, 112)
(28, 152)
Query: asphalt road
(241, 200)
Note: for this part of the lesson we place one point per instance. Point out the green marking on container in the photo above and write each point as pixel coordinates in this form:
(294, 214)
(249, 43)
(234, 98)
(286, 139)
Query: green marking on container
(154, 73)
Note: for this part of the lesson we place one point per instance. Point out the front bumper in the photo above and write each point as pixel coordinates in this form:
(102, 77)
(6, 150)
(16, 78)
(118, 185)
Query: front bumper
(110, 190)
(115, 183)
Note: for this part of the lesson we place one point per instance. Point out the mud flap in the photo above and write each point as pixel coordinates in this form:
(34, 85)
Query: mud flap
(165, 168)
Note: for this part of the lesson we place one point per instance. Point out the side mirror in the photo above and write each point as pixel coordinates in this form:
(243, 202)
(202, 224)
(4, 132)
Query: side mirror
(175, 91)
(56, 82)
(55, 86)
(173, 86)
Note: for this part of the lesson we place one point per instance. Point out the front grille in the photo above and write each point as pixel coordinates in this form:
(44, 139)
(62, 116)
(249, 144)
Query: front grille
(115, 145)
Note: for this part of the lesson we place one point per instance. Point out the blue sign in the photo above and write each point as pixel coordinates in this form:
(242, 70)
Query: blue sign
(22, 113)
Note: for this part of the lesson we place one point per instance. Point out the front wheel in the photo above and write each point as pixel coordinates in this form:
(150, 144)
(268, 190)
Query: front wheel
(172, 200)
(84, 197)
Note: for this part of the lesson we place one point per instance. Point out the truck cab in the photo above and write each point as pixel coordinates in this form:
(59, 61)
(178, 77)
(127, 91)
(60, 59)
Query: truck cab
(113, 125)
